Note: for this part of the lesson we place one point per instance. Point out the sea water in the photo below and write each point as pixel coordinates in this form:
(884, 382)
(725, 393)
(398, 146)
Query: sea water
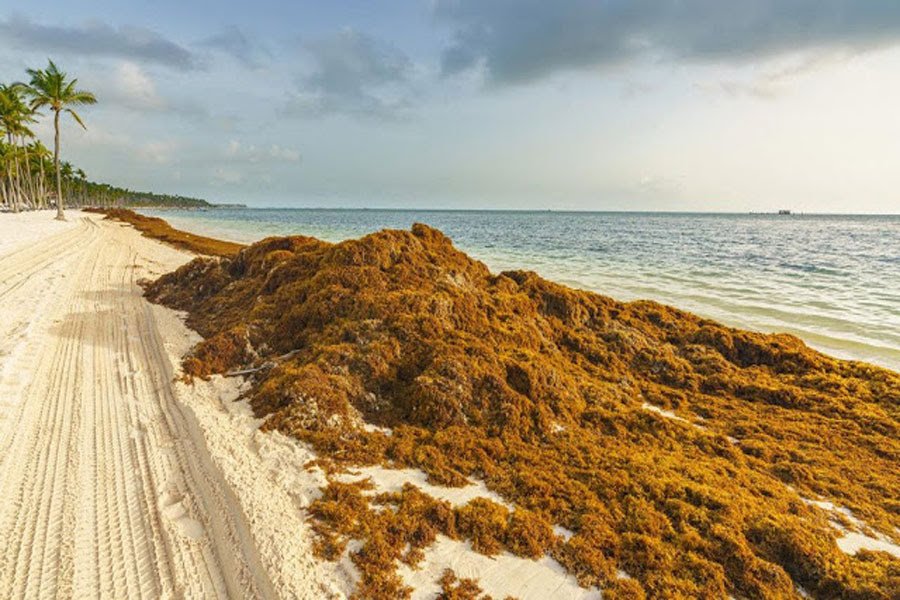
(833, 281)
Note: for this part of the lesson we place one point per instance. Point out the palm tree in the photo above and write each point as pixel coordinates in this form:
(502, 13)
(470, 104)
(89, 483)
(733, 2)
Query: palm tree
(14, 115)
(82, 184)
(5, 182)
(50, 87)
(42, 157)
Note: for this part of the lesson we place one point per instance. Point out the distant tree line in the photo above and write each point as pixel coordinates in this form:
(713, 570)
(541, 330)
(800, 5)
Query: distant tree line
(81, 192)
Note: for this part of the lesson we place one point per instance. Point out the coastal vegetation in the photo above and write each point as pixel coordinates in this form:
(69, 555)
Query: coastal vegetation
(34, 177)
(686, 458)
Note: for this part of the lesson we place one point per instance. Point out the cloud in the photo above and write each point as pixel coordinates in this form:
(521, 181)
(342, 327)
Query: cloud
(655, 184)
(254, 154)
(234, 43)
(96, 39)
(776, 79)
(285, 154)
(633, 89)
(516, 42)
(157, 152)
(96, 135)
(113, 142)
(352, 73)
(134, 88)
(223, 176)
(128, 85)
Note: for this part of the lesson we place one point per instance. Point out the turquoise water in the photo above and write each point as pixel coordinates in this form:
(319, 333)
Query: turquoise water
(834, 281)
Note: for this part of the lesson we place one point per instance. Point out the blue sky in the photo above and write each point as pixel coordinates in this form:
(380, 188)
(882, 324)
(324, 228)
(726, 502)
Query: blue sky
(572, 104)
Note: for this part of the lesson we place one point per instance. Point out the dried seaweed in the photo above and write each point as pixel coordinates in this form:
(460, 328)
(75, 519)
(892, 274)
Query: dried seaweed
(540, 390)
(159, 229)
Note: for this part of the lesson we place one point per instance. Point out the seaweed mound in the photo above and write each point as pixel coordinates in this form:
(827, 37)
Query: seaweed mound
(160, 229)
(675, 449)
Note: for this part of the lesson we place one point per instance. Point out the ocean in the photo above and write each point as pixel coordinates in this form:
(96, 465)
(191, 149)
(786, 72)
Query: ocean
(833, 281)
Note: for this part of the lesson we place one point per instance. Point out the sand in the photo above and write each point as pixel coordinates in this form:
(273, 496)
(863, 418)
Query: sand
(392, 481)
(109, 486)
(20, 229)
(499, 576)
(851, 541)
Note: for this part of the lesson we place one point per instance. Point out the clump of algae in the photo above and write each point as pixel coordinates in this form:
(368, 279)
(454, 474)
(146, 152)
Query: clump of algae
(454, 588)
(540, 390)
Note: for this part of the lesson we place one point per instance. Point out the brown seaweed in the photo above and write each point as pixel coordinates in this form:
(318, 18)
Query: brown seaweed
(159, 229)
(539, 389)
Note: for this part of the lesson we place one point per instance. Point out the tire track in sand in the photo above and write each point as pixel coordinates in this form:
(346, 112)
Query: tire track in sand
(106, 485)
(22, 322)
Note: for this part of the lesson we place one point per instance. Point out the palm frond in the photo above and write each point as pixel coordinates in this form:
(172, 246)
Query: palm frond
(82, 97)
(76, 117)
(50, 87)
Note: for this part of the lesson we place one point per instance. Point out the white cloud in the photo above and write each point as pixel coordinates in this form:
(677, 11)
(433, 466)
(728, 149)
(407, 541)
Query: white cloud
(135, 87)
(221, 176)
(656, 184)
(157, 152)
(770, 79)
(234, 148)
(73, 136)
(254, 154)
(285, 154)
(128, 85)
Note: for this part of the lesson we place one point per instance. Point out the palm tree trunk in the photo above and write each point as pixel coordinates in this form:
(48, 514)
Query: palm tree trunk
(12, 168)
(43, 180)
(60, 215)
(29, 176)
(18, 179)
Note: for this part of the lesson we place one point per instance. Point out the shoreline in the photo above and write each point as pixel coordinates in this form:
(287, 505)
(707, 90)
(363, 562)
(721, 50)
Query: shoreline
(843, 346)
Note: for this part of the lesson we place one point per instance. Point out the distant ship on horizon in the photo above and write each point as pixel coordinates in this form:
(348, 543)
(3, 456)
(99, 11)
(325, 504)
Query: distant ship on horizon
(784, 211)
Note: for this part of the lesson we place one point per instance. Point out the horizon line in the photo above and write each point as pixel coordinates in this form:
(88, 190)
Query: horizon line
(240, 206)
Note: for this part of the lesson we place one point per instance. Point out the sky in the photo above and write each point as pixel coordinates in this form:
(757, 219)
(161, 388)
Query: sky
(672, 105)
